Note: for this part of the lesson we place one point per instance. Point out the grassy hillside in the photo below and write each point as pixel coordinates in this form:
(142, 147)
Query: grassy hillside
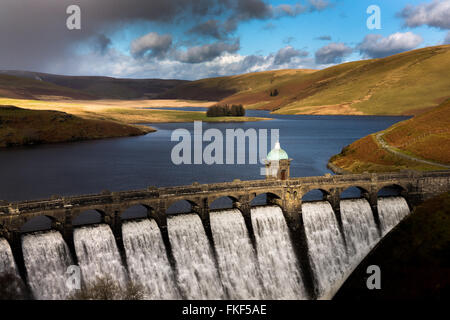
(25, 88)
(214, 89)
(103, 87)
(403, 84)
(414, 258)
(426, 137)
(26, 127)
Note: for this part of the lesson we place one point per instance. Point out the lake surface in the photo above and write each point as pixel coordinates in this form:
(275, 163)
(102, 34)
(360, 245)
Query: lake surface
(138, 162)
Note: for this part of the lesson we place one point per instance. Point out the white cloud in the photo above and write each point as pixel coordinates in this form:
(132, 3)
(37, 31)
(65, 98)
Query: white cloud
(332, 53)
(435, 14)
(447, 38)
(156, 44)
(376, 46)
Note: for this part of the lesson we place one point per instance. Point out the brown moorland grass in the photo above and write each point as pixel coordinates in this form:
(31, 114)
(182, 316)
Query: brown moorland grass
(127, 111)
(366, 155)
(27, 127)
(408, 83)
(426, 136)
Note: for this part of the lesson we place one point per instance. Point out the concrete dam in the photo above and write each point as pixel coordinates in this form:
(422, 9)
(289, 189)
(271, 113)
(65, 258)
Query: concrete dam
(283, 247)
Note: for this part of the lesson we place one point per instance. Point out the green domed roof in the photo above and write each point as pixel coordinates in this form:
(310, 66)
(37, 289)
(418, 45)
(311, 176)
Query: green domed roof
(277, 153)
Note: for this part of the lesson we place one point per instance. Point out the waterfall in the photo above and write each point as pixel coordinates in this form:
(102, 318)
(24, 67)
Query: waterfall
(391, 210)
(327, 251)
(281, 272)
(360, 230)
(7, 263)
(198, 277)
(98, 255)
(238, 266)
(47, 258)
(147, 259)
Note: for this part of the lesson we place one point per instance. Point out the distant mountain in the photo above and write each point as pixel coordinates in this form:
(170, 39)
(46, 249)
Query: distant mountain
(102, 87)
(403, 84)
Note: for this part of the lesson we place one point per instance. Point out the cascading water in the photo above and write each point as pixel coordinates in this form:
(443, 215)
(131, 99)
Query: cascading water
(47, 259)
(360, 229)
(327, 251)
(280, 270)
(238, 266)
(98, 255)
(147, 259)
(198, 277)
(7, 263)
(391, 210)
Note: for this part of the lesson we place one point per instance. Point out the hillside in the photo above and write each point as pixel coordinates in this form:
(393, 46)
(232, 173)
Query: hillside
(214, 89)
(404, 84)
(27, 127)
(101, 87)
(25, 88)
(413, 258)
(425, 137)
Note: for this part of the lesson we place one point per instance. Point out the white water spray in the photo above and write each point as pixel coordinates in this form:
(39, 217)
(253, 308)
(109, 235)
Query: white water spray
(47, 258)
(360, 229)
(147, 259)
(391, 210)
(98, 255)
(280, 269)
(198, 277)
(327, 252)
(238, 265)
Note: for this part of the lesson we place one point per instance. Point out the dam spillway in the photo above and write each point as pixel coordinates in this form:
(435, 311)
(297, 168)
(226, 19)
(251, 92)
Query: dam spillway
(228, 265)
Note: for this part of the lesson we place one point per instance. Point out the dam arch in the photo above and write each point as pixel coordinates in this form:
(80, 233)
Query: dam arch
(354, 192)
(316, 194)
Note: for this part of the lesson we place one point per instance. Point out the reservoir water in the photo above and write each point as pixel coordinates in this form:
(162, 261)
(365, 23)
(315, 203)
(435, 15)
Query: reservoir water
(138, 162)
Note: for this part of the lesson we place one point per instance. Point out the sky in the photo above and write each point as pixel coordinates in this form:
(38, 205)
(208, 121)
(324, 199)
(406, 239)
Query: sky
(193, 39)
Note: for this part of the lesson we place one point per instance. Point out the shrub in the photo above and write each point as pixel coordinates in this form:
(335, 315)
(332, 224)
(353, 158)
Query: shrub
(107, 289)
(235, 110)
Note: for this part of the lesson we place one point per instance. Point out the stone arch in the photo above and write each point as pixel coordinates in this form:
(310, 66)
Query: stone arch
(354, 192)
(38, 223)
(87, 217)
(136, 211)
(181, 206)
(222, 202)
(265, 198)
(316, 194)
(392, 189)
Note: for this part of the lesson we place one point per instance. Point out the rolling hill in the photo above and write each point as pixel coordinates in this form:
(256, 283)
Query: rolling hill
(25, 88)
(27, 127)
(96, 87)
(410, 144)
(404, 84)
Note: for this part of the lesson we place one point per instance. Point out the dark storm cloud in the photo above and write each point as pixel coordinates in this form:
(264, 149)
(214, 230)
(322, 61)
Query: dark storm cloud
(102, 43)
(211, 28)
(34, 34)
